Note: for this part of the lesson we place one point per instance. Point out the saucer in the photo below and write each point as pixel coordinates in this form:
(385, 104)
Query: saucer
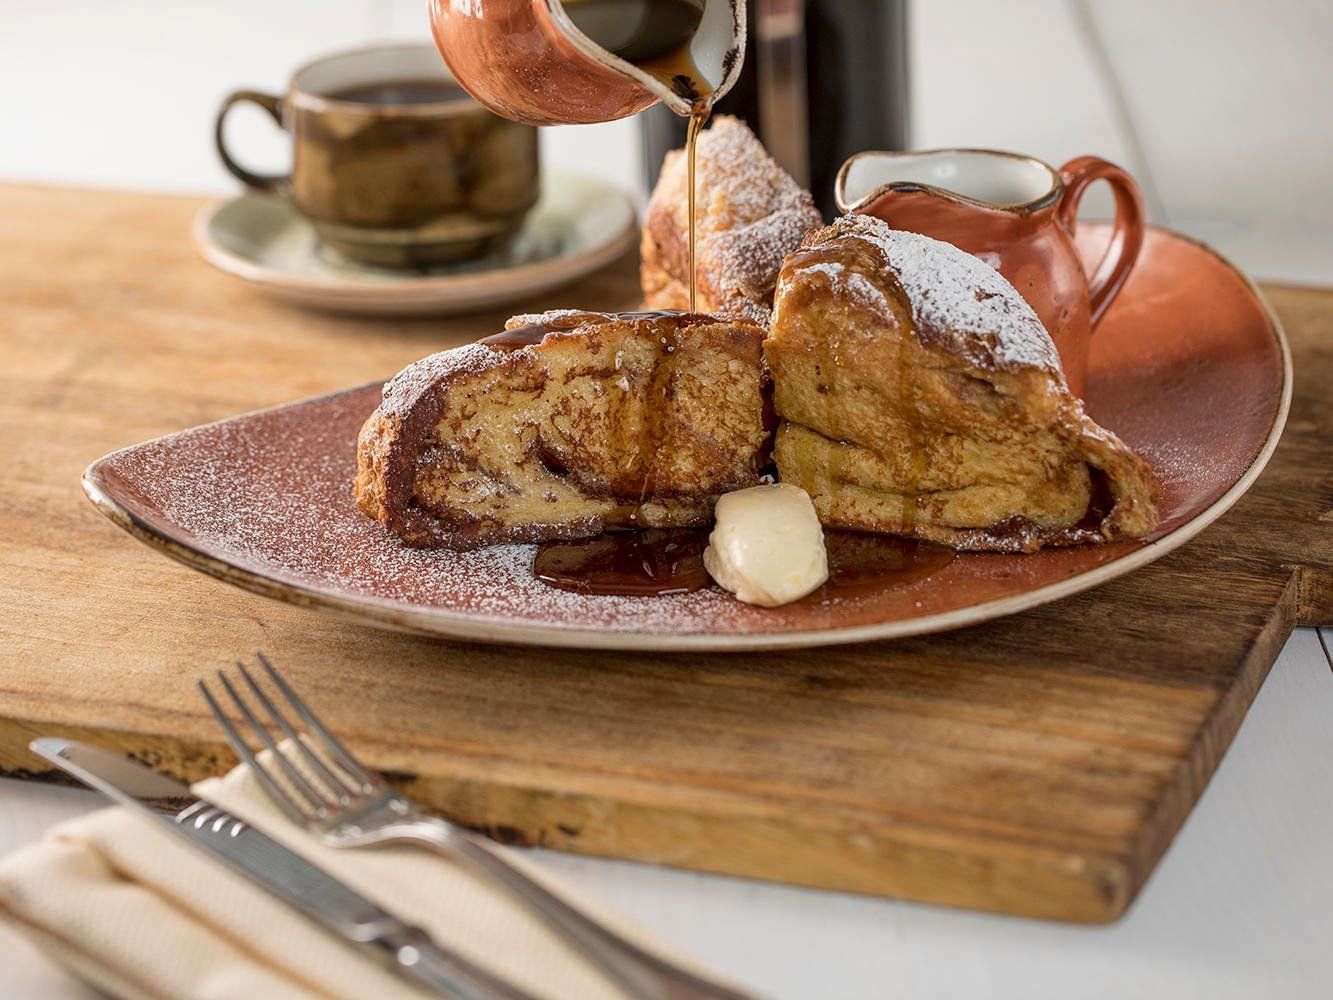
(578, 225)
(1189, 367)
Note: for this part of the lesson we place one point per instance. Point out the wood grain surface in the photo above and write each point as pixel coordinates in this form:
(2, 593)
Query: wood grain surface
(1036, 765)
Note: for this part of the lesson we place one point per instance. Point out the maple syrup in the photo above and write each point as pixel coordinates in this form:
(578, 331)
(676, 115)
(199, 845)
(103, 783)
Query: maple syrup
(627, 563)
(526, 336)
(860, 564)
(655, 36)
(655, 562)
(637, 435)
(698, 116)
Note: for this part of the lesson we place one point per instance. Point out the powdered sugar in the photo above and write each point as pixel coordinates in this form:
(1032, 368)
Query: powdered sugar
(852, 284)
(746, 261)
(403, 390)
(750, 214)
(554, 318)
(734, 164)
(958, 301)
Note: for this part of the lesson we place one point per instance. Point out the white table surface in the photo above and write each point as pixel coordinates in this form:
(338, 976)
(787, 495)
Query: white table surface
(1223, 112)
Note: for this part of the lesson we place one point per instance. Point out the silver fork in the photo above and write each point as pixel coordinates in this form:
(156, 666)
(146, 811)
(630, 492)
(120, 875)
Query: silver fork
(350, 806)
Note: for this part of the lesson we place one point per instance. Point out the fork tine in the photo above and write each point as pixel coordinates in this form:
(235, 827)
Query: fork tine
(336, 783)
(318, 802)
(331, 744)
(275, 791)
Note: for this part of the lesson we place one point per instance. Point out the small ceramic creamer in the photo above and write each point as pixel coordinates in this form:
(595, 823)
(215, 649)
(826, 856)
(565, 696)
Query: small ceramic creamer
(1016, 213)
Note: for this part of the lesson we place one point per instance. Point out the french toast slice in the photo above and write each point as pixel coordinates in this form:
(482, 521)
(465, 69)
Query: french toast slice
(572, 423)
(749, 215)
(919, 395)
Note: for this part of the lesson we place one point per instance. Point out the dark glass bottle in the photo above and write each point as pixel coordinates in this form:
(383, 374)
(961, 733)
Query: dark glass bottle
(823, 79)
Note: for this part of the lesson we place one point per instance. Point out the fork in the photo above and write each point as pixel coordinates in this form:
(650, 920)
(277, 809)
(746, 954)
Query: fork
(348, 805)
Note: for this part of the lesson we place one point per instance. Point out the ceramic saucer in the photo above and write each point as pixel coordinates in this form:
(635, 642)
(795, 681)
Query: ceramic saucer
(579, 225)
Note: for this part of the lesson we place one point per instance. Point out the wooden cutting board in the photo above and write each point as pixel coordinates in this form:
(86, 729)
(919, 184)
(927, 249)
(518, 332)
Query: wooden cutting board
(1037, 765)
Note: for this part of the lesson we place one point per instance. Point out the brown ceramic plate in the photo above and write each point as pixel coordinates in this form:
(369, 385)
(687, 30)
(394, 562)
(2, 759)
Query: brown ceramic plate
(1190, 367)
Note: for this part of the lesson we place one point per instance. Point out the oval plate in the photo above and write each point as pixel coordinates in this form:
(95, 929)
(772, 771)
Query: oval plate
(578, 225)
(1190, 367)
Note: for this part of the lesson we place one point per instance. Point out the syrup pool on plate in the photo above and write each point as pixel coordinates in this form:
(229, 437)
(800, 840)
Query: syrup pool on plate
(657, 562)
(627, 563)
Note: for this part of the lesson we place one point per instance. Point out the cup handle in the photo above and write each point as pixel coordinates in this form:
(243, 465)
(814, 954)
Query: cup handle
(1126, 237)
(271, 104)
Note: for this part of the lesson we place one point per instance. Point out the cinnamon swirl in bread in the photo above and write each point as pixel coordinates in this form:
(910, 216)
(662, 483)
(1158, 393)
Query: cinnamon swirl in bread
(750, 215)
(571, 423)
(919, 395)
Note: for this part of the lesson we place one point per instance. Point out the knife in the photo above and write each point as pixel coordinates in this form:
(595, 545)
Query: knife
(404, 948)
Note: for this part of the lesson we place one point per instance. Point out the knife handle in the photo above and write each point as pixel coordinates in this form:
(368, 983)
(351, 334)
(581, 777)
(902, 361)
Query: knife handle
(448, 973)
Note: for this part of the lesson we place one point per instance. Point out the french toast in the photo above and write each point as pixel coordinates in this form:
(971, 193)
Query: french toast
(569, 424)
(750, 215)
(919, 395)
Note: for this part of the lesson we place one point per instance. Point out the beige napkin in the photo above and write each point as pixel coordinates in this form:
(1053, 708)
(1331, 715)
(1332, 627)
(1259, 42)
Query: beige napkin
(134, 910)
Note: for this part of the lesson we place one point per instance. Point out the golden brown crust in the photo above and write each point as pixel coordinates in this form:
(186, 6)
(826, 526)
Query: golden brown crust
(635, 420)
(750, 215)
(919, 395)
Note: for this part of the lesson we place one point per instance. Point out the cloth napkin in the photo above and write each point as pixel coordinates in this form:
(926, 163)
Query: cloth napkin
(136, 911)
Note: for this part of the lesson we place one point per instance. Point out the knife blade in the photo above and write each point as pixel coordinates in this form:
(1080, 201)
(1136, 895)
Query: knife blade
(321, 897)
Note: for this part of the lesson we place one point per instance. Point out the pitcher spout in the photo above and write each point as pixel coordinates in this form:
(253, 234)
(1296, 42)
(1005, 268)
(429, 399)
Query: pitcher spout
(984, 179)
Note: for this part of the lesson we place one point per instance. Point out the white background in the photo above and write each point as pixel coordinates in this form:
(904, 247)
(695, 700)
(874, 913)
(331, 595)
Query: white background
(1222, 109)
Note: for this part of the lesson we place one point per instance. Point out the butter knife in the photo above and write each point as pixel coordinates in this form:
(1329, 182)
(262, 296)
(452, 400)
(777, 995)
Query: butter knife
(404, 948)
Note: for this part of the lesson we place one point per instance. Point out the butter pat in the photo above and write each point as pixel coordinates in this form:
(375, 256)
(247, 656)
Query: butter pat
(767, 546)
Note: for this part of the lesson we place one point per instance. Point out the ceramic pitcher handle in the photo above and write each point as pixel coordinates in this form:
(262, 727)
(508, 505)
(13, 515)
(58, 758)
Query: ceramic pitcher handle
(271, 104)
(1126, 237)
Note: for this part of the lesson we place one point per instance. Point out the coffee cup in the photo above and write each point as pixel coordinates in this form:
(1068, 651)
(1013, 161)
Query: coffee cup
(392, 162)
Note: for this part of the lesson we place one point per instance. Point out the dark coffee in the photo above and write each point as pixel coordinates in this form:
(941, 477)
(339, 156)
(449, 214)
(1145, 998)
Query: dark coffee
(418, 91)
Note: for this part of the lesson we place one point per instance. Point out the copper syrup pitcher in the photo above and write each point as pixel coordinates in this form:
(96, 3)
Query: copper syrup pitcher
(1017, 214)
(540, 61)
